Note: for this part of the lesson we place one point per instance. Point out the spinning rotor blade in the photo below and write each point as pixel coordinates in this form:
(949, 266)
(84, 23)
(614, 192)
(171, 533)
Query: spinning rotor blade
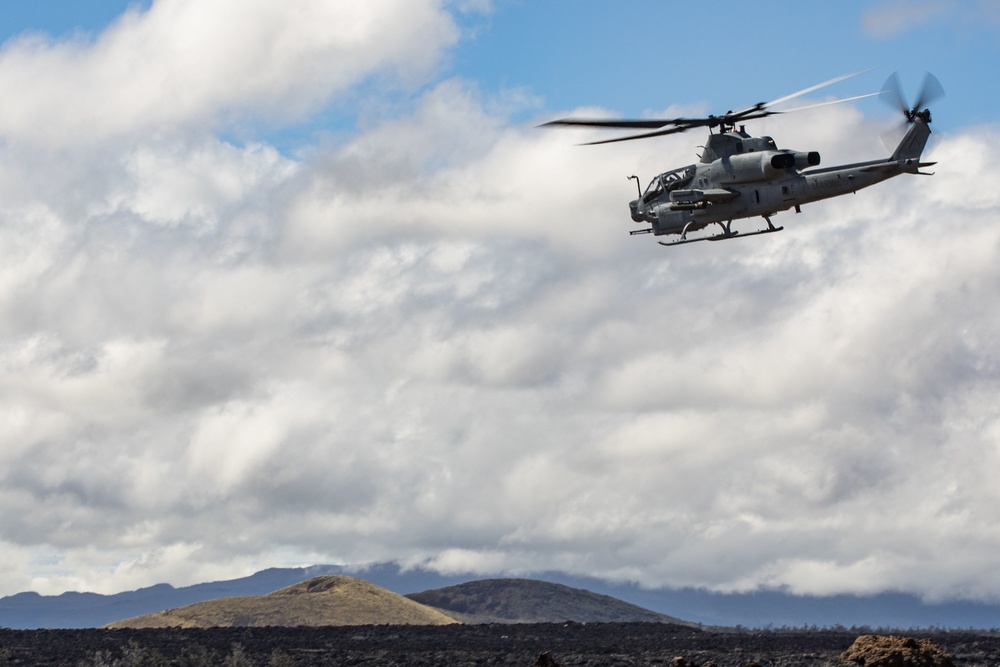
(676, 125)
(892, 136)
(645, 135)
(760, 110)
(893, 92)
(824, 104)
(931, 90)
(804, 91)
(623, 124)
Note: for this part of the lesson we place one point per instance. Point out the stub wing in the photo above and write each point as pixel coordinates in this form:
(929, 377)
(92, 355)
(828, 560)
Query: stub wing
(708, 195)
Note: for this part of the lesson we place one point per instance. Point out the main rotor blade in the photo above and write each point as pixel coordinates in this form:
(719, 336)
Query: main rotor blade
(645, 135)
(625, 124)
(684, 124)
(677, 125)
(832, 81)
(823, 104)
(759, 110)
(729, 119)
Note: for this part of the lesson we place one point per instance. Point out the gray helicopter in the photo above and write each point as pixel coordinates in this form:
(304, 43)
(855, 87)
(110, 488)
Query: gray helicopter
(741, 176)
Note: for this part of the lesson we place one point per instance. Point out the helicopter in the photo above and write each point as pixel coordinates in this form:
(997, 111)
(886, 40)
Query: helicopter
(741, 176)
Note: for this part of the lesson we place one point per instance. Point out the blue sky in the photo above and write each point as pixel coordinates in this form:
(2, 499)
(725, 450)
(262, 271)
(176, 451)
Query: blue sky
(287, 287)
(60, 18)
(640, 57)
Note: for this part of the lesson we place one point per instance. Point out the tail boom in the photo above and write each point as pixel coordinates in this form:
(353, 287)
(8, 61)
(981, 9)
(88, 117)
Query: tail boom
(912, 144)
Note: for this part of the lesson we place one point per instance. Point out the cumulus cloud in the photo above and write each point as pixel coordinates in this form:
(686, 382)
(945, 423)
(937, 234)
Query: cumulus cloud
(892, 18)
(435, 343)
(202, 63)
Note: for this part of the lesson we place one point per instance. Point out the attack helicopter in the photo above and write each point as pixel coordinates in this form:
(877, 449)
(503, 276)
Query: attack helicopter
(741, 176)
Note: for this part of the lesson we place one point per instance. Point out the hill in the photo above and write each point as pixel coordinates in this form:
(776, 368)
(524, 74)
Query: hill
(531, 601)
(26, 611)
(753, 609)
(320, 601)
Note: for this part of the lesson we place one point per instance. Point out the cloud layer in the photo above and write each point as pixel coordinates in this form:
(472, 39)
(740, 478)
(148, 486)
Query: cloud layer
(206, 64)
(435, 343)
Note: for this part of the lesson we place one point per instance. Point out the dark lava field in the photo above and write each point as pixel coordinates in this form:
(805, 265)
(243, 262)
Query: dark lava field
(605, 644)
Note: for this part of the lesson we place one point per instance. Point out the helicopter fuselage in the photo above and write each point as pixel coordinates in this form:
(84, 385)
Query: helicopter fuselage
(740, 176)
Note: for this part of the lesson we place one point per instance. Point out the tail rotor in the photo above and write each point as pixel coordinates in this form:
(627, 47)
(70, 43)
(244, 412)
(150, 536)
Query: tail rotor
(931, 90)
(892, 94)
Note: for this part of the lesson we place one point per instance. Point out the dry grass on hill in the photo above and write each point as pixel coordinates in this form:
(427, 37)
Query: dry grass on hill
(328, 600)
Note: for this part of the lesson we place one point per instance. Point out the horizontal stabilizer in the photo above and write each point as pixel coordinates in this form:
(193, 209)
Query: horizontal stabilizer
(901, 165)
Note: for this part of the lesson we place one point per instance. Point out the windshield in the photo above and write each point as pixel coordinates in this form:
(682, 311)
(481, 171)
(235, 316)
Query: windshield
(668, 181)
(653, 190)
(678, 177)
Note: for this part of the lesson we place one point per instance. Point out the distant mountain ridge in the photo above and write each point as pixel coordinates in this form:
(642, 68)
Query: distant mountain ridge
(92, 610)
(336, 600)
(754, 609)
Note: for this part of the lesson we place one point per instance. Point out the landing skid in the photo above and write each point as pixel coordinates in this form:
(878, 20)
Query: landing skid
(727, 233)
(723, 237)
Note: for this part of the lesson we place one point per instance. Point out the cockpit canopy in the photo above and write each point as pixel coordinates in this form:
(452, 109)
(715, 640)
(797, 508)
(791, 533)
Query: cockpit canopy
(668, 181)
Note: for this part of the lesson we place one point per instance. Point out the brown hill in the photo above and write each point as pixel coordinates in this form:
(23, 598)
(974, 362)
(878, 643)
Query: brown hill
(327, 600)
(531, 601)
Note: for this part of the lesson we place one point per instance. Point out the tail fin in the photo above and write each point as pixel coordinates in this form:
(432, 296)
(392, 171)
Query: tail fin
(913, 142)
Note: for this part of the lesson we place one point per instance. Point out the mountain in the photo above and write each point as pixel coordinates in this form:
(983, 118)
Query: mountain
(532, 601)
(325, 600)
(755, 609)
(26, 611)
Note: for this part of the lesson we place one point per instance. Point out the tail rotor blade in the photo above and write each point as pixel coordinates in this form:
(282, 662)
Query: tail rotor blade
(892, 93)
(932, 90)
(892, 136)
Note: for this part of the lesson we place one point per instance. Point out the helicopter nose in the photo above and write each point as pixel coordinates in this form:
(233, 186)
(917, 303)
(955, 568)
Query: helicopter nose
(636, 214)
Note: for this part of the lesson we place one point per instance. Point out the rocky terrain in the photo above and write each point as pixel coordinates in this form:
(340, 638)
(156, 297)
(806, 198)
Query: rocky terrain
(340, 620)
(568, 644)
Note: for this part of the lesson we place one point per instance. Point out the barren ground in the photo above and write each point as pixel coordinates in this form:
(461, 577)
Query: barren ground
(605, 644)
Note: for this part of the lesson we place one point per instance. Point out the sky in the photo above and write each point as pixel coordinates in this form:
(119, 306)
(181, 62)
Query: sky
(296, 283)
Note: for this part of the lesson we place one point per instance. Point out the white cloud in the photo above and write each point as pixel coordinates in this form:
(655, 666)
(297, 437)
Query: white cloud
(436, 343)
(895, 17)
(891, 18)
(196, 64)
